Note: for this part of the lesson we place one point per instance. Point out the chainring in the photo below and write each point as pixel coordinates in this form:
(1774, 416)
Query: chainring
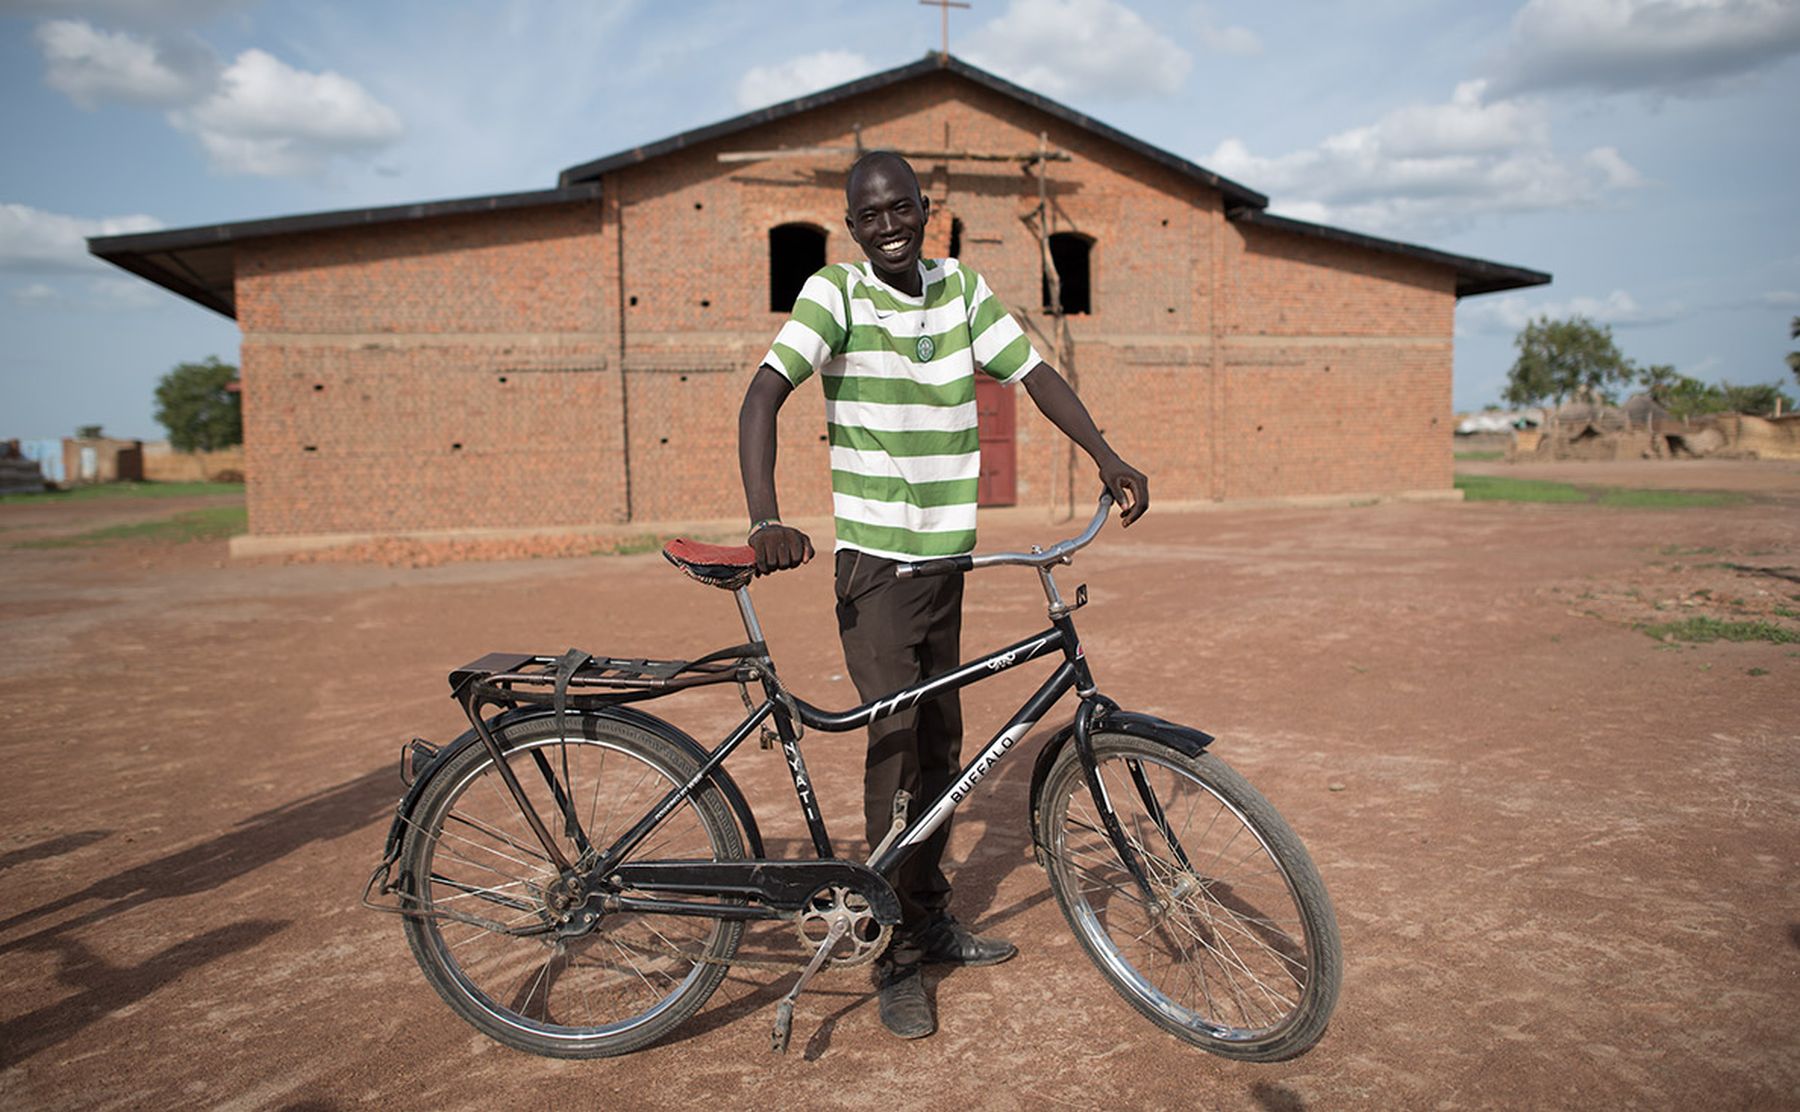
(865, 937)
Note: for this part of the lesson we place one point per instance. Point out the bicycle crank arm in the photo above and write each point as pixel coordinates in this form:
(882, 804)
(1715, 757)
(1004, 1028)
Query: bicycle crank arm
(784, 1011)
(783, 885)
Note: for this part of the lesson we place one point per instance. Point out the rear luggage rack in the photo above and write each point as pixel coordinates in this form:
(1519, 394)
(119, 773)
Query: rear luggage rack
(592, 679)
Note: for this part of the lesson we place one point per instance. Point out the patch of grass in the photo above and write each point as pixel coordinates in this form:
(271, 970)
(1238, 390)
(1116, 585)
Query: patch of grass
(1482, 457)
(1494, 488)
(1679, 550)
(1784, 612)
(211, 524)
(1758, 671)
(123, 490)
(1703, 629)
(1667, 499)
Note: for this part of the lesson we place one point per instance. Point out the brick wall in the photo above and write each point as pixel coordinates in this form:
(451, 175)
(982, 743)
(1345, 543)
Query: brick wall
(1335, 373)
(436, 374)
(492, 370)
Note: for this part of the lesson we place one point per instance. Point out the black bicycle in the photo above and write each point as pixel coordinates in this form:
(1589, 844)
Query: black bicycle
(575, 874)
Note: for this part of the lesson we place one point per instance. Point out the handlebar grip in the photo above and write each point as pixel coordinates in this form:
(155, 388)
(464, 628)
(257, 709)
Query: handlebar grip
(943, 565)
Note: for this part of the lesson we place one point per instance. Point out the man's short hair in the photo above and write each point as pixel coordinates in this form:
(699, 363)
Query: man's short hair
(871, 159)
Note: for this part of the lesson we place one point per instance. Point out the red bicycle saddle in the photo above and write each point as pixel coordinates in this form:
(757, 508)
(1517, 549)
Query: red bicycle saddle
(728, 566)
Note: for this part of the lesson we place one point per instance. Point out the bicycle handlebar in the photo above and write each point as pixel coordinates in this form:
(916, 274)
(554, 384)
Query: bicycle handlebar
(1057, 553)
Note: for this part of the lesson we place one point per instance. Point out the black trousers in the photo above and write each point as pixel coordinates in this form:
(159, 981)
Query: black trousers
(897, 632)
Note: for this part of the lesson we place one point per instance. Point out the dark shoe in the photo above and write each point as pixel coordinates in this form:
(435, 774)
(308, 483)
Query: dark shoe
(946, 941)
(905, 1009)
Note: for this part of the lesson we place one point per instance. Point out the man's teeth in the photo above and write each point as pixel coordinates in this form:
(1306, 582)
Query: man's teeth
(893, 245)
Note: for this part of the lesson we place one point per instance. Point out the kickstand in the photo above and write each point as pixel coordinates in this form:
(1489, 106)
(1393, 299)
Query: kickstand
(784, 1011)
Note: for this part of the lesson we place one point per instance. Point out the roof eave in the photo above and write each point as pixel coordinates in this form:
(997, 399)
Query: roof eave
(1473, 276)
(219, 234)
(136, 252)
(591, 171)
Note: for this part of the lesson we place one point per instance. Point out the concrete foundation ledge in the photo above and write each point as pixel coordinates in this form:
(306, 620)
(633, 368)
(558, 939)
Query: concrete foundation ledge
(727, 530)
(718, 530)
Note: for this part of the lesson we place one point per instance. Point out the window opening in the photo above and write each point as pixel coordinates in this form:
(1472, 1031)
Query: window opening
(1069, 254)
(795, 252)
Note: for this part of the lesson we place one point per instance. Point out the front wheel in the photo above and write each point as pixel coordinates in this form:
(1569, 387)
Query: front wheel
(1238, 952)
(489, 905)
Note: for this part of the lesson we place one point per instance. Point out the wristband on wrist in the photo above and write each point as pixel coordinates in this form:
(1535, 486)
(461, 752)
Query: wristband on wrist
(761, 525)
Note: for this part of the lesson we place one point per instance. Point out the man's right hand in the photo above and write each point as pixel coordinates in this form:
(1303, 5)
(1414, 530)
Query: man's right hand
(779, 547)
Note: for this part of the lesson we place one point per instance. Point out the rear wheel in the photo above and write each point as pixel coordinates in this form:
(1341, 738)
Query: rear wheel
(489, 933)
(1239, 952)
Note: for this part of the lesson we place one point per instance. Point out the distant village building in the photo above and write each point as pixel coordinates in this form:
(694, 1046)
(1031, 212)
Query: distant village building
(576, 356)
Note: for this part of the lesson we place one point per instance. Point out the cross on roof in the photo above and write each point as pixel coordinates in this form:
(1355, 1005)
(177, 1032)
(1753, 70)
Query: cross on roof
(944, 7)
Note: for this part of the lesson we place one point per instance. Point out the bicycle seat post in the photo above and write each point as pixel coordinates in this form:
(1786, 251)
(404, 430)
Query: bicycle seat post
(747, 611)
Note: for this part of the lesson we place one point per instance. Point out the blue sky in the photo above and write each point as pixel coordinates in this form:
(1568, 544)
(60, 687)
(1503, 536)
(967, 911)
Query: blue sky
(1638, 149)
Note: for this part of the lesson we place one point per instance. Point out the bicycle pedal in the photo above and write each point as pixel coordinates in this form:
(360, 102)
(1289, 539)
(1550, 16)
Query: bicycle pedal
(784, 1027)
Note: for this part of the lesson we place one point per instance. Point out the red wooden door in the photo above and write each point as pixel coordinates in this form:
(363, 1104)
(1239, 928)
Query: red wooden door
(996, 412)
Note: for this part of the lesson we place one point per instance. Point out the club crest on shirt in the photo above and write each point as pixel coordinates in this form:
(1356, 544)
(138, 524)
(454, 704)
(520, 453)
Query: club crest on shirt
(926, 347)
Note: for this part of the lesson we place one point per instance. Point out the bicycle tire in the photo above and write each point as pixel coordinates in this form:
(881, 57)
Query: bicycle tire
(1244, 961)
(476, 875)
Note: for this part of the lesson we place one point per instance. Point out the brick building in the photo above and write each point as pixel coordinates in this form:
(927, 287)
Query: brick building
(575, 357)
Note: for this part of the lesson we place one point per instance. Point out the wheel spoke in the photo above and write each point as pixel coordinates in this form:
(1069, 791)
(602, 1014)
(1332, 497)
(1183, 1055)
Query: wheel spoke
(607, 988)
(1225, 956)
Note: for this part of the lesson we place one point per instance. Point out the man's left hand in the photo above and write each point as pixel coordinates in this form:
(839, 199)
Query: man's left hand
(1129, 488)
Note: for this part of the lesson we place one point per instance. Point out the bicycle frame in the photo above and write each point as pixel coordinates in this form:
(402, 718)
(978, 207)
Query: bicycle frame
(1072, 674)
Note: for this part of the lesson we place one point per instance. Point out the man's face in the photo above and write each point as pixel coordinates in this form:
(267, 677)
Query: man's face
(887, 218)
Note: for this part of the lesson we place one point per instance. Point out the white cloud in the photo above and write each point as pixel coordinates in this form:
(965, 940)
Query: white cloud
(1072, 47)
(1223, 39)
(91, 65)
(1660, 46)
(763, 85)
(36, 294)
(268, 118)
(1427, 168)
(39, 242)
(1510, 312)
(94, 293)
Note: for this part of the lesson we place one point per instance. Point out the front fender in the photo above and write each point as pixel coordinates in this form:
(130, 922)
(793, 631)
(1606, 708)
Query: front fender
(1182, 739)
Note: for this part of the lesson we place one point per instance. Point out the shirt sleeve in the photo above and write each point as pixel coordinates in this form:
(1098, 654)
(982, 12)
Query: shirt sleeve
(1000, 346)
(816, 333)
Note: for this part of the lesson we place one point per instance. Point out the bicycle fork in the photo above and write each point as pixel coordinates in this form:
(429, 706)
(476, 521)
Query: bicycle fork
(1109, 820)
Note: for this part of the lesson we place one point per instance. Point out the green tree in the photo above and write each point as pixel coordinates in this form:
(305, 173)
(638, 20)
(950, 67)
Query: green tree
(1689, 397)
(1758, 400)
(1560, 359)
(199, 412)
(1659, 381)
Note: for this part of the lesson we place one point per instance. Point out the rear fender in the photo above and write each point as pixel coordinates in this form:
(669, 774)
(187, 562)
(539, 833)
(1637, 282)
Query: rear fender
(630, 716)
(1185, 740)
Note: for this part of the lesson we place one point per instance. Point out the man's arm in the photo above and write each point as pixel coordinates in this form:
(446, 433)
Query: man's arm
(777, 546)
(1129, 488)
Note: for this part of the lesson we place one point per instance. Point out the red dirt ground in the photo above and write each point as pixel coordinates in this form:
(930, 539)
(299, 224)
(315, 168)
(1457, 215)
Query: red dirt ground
(1565, 857)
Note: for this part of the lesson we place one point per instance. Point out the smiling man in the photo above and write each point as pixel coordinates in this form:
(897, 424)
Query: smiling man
(897, 342)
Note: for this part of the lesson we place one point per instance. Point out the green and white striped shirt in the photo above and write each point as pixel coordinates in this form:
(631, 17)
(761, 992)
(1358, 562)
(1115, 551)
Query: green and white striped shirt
(899, 377)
